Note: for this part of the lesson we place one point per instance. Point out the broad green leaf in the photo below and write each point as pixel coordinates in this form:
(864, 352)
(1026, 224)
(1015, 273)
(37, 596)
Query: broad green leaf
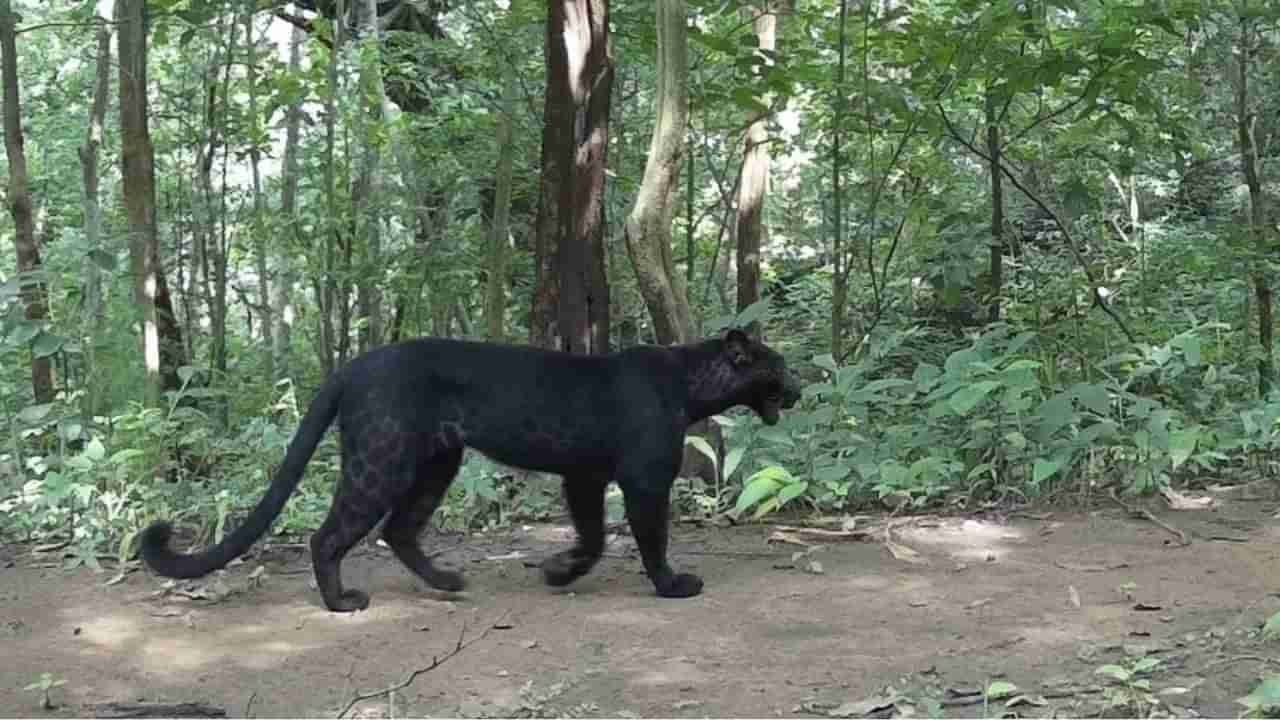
(756, 491)
(702, 446)
(104, 260)
(1115, 672)
(732, 460)
(1264, 698)
(968, 397)
(95, 450)
(1000, 689)
(1271, 631)
(47, 344)
(33, 414)
(1181, 444)
(831, 473)
(185, 373)
(825, 361)
(1146, 664)
(1093, 397)
(1044, 469)
(791, 492)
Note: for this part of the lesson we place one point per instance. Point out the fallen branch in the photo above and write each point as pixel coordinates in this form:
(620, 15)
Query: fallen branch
(157, 710)
(1144, 514)
(436, 661)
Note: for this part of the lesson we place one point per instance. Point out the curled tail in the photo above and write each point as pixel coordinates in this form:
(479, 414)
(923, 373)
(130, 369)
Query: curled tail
(161, 558)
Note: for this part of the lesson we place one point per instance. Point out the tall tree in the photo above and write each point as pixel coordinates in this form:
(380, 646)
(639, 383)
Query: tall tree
(367, 192)
(258, 225)
(754, 183)
(88, 152)
(839, 257)
(495, 304)
(35, 295)
(572, 288)
(283, 286)
(648, 226)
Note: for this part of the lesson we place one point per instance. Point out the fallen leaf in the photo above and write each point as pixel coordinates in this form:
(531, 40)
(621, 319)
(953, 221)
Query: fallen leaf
(502, 625)
(1073, 596)
(685, 704)
(918, 603)
(978, 603)
(530, 644)
(514, 555)
(902, 552)
(814, 567)
(782, 537)
(1034, 700)
(1000, 689)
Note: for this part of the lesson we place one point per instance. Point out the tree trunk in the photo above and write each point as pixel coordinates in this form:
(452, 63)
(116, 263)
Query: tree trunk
(138, 173)
(35, 294)
(648, 226)
(997, 209)
(282, 300)
(325, 286)
(839, 275)
(495, 305)
(1247, 125)
(368, 190)
(259, 225)
(94, 301)
(754, 184)
(570, 245)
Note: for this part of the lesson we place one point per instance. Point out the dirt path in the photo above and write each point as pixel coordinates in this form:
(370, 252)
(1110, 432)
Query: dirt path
(1041, 603)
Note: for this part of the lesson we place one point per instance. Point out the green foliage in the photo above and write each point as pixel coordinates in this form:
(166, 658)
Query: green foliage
(1130, 685)
(45, 686)
(1264, 700)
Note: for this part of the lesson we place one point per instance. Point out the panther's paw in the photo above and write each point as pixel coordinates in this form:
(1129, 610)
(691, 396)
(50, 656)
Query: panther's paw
(349, 601)
(680, 585)
(563, 568)
(446, 580)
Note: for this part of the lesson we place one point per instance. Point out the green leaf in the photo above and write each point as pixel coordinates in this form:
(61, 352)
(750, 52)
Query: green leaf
(1093, 397)
(752, 313)
(791, 492)
(702, 446)
(1265, 697)
(1044, 469)
(1000, 689)
(185, 373)
(756, 490)
(1146, 665)
(1181, 444)
(1114, 672)
(745, 98)
(1271, 631)
(95, 451)
(47, 344)
(826, 362)
(33, 414)
(968, 397)
(104, 260)
(732, 460)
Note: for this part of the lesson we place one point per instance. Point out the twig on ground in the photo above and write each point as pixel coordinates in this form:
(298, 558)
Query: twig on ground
(157, 710)
(1144, 514)
(249, 705)
(436, 661)
(1240, 658)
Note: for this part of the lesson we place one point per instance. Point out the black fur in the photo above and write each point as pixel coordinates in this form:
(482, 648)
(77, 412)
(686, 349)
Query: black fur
(407, 411)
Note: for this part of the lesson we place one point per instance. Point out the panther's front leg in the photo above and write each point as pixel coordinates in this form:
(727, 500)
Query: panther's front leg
(648, 511)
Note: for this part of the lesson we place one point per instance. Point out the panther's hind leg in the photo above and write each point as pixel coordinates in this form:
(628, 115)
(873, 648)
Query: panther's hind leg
(584, 494)
(376, 469)
(413, 511)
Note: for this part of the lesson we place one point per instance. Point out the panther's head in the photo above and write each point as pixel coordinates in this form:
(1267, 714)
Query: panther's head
(762, 380)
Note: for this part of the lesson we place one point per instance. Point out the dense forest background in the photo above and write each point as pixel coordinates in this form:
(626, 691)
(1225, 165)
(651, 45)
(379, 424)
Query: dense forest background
(1018, 251)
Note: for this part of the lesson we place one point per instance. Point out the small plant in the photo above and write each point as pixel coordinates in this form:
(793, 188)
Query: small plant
(45, 685)
(1264, 701)
(1131, 685)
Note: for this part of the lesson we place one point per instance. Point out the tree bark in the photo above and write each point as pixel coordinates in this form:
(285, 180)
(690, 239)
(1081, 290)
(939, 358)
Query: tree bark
(1247, 128)
(326, 286)
(259, 225)
(499, 243)
(840, 276)
(996, 267)
(368, 188)
(35, 294)
(94, 301)
(282, 300)
(754, 184)
(570, 245)
(138, 173)
(648, 226)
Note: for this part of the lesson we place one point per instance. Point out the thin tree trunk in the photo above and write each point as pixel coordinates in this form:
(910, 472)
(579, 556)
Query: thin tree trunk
(754, 184)
(495, 305)
(840, 276)
(326, 290)
(997, 209)
(94, 302)
(138, 172)
(648, 226)
(35, 294)
(283, 297)
(1247, 122)
(367, 191)
(259, 227)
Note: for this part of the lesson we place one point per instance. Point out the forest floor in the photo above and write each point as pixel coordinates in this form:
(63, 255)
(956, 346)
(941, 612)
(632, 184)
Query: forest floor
(1037, 599)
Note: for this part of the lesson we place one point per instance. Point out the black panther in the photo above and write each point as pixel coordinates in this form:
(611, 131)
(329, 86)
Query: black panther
(407, 411)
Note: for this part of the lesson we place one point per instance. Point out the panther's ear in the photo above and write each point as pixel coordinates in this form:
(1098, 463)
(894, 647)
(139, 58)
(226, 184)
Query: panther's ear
(738, 347)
